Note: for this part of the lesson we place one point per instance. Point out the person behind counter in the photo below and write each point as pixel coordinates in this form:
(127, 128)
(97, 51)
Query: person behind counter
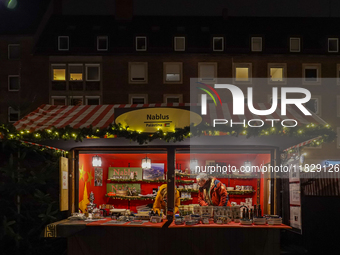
(161, 198)
(211, 191)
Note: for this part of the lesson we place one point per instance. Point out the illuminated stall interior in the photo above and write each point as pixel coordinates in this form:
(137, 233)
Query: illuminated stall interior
(117, 169)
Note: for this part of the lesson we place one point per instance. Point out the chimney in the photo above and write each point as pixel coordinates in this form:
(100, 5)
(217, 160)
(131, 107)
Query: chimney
(225, 13)
(124, 9)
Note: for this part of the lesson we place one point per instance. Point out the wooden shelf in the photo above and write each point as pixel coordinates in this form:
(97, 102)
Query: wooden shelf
(188, 190)
(136, 181)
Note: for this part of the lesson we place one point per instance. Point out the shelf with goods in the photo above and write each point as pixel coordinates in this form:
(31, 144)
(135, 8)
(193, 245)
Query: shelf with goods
(140, 198)
(135, 181)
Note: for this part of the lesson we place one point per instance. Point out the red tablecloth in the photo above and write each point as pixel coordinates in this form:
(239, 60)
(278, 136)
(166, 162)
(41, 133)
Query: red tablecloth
(147, 224)
(230, 225)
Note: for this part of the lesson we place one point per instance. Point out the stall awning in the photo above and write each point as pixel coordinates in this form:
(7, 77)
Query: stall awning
(101, 116)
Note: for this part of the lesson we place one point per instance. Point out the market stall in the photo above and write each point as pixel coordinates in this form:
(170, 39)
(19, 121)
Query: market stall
(123, 168)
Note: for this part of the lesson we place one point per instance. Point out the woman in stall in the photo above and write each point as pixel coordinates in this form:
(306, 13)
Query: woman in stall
(161, 200)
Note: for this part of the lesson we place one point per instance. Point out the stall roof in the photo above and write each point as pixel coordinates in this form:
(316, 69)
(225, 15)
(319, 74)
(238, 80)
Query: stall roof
(101, 116)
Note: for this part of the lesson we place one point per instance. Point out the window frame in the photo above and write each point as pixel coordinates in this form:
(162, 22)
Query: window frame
(252, 43)
(58, 97)
(132, 96)
(92, 65)
(319, 104)
(337, 44)
(75, 97)
(218, 37)
(52, 65)
(130, 81)
(8, 51)
(107, 43)
(318, 76)
(175, 43)
(284, 73)
(199, 64)
(180, 72)
(92, 97)
(69, 72)
(179, 96)
(290, 44)
(68, 42)
(140, 37)
(8, 82)
(8, 115)
(243, 65)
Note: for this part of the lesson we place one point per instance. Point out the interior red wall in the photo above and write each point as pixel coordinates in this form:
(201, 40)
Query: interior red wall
(108, 160)
(85, 161)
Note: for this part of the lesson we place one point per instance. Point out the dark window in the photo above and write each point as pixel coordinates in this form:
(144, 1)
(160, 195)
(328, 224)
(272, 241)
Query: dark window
(141, 43)
(138, 100)
(63, 43)
(93, 73)
(102, 43)
(14, 51)
(76, 101)
(333, 45)
(311, 74)
(59, 101)
(93, 101)
(13, 83)
(218, 44)
(312, 105)
(13, 115)
(172, 100)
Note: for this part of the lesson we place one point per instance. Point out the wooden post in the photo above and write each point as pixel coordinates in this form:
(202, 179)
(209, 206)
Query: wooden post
(171, 181)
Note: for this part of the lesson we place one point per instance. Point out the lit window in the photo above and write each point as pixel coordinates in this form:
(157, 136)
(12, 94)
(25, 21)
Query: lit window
(63, 43)
(58, 100)
(92, 72)
(277, 73)
(76, 72)
(172, 72)
(13, 83)
(140, 43)
(138, 99)
(256, 44)
(218, 44)
(76, 100)
(333, 45)
(58, 73)
(207, 72)
(92, 100)
(179, 43)
(138, 72)
(294, 44)
(242, 74)
(311, 73)
(102, 43)
(14, 51)
(13, 115)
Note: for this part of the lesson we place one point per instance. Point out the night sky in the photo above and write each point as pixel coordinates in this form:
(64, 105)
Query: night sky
(25, 16)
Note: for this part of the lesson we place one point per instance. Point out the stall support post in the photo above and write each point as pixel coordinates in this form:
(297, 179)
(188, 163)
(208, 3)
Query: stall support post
(171, 181)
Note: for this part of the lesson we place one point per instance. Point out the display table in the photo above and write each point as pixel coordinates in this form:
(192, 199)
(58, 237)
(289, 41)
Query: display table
(101, 237)
(229, 225)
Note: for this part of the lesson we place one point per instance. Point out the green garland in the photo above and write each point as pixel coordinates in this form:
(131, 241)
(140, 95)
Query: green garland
(181, 175)
(185, 181)
(185, 199)
(9, 132)
(134, 180)
(188, 190)
(129, 197)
